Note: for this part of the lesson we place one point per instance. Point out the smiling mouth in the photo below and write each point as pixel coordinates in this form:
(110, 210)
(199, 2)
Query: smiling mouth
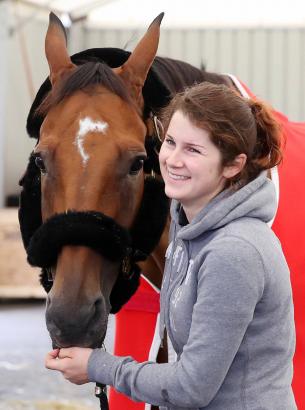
(177, 177)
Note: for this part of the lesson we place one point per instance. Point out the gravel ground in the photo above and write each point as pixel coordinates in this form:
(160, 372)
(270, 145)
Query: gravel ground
(25, 384)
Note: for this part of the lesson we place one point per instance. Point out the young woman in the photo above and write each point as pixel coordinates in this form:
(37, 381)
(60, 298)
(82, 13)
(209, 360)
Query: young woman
(226, 300)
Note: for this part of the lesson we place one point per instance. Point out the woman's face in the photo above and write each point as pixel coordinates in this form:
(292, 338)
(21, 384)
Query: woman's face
(190, 165)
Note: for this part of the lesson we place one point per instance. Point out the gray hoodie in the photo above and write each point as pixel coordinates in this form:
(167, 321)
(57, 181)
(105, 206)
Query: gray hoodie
(226, 304)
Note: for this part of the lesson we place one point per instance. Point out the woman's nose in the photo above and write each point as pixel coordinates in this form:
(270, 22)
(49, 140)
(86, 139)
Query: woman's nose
(175, 159)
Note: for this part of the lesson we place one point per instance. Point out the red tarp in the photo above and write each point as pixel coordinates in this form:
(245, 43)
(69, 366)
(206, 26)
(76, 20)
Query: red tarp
(289, 226)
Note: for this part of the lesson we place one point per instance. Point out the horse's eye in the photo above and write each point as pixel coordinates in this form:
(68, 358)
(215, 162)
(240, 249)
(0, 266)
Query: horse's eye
(137, 165)
(40, 164)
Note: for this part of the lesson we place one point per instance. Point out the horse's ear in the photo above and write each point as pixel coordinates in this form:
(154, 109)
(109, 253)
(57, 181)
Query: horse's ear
(134, 71)
(56, 49)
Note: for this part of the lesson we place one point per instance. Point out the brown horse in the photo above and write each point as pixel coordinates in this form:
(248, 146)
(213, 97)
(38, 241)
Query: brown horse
(93, 126)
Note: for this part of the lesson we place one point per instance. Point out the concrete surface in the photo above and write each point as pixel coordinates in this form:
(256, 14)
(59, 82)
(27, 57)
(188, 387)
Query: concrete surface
(25, 384)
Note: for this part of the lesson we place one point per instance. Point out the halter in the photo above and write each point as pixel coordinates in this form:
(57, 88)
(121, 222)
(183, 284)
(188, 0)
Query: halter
(146, 231)
(43, 241)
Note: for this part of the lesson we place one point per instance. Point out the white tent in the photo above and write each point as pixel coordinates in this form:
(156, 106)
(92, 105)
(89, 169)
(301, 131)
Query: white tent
(179, 13)
(201, 13)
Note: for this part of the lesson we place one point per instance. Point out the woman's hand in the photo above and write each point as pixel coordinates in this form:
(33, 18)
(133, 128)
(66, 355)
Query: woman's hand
(72, 362)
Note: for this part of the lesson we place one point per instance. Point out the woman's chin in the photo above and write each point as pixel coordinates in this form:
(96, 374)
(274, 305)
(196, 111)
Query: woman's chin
(173, 194)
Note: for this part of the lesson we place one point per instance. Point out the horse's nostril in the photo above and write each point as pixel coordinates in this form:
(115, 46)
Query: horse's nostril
(98, 306)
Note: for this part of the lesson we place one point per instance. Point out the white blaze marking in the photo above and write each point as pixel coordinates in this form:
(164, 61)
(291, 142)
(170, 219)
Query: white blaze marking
(87, 125)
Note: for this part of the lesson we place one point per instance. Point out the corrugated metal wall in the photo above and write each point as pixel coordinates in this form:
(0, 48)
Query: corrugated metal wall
(271, 61)
(18, 99)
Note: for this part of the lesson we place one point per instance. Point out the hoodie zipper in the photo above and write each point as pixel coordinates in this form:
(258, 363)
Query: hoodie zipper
(169, 292)
(167, 284)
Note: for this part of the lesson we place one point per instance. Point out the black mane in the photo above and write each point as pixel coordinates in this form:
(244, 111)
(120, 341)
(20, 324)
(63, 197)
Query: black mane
(84, 77)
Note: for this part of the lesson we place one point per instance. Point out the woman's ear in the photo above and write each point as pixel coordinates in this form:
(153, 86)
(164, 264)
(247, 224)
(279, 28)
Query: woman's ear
(235, 167)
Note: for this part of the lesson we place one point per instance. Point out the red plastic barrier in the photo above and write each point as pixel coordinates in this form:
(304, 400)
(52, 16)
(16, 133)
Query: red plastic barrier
(137, 335)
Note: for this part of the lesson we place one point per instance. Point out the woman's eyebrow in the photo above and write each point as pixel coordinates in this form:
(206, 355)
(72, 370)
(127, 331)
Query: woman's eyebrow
(188, 143)
(169, 136)
(195, 145)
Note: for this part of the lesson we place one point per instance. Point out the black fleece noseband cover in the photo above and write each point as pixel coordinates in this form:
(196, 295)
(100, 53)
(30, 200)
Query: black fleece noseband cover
(92, 229)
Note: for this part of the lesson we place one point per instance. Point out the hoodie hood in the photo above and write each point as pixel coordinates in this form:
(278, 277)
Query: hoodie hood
(257, 199)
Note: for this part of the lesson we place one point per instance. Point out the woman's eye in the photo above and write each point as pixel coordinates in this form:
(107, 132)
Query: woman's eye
(40, 164)
(196, 151)
(169, 141)
(136, 166)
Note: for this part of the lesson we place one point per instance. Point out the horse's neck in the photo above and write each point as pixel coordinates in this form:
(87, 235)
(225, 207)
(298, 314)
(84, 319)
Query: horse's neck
(175, 74)
(153, 266)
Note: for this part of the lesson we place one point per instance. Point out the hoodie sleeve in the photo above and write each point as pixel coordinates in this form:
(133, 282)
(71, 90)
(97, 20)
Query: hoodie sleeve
(230, 283)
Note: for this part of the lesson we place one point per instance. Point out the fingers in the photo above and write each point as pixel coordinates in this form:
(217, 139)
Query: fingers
(66, 352)
(55, 358)
(54, 353)
(51, 361)
(71, 362)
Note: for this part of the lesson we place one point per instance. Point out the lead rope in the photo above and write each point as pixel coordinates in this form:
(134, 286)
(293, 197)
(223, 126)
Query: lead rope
(101, 391)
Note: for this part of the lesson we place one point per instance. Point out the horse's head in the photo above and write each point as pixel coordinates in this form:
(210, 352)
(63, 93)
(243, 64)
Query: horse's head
(90, 152)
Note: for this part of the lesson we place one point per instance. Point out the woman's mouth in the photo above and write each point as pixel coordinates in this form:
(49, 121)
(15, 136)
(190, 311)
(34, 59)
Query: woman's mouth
(177, 177)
